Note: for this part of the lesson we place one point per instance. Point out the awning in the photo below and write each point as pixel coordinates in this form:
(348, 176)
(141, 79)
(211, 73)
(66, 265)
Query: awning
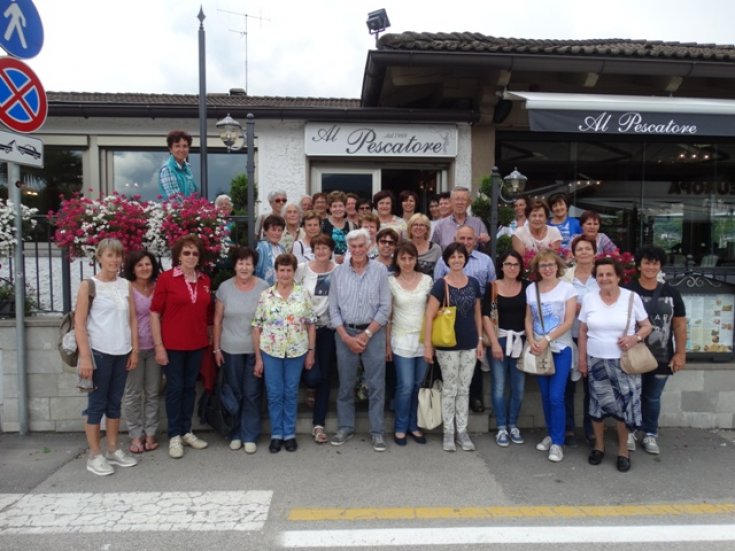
(628, 115)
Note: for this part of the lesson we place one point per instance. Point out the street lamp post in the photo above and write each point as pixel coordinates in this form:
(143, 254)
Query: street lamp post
(230, 132)
(513, 184)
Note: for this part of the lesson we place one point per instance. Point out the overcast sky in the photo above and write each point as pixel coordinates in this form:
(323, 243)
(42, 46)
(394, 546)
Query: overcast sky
(315, 48)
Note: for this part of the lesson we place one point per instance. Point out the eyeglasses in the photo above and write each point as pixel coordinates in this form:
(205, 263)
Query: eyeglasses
(511, 265)
(189, 253)
(364, 207)
(280, 200)
(387, 242)
(547, 266)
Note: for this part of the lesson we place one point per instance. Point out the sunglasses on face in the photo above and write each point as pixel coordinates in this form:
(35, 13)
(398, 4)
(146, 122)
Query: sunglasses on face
(387, 242)
(280, 200)
(189, 253)
(511, 265)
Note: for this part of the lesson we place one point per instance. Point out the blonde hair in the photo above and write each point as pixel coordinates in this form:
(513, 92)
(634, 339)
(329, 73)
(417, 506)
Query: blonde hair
(110, 243)
(417, 219)
(547, 254)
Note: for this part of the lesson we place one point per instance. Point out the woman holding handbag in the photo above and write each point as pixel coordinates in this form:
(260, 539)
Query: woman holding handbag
(607, 329)
(551, 306)
(503, 318)
(410, 289)
(457, 361)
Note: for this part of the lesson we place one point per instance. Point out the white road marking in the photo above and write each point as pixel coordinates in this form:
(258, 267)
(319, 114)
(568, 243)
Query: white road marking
(503, 534)
(75, 513)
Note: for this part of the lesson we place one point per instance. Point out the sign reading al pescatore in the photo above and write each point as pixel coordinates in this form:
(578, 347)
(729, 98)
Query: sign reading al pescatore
(21, 31)
(632, 123)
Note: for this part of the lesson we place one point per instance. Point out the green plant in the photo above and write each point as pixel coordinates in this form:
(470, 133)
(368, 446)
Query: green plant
(482, 208)
(239, 193)
(7, 299)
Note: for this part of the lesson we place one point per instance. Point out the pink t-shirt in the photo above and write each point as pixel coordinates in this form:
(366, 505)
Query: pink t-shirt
(143, 315)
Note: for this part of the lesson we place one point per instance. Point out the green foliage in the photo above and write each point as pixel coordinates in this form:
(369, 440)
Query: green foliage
(239, 193)
(482, 208)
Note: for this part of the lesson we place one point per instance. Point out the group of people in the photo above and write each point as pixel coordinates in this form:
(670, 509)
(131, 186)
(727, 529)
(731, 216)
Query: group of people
(340, 286)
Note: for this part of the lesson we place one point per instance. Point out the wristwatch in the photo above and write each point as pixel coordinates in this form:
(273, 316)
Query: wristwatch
(547, 338)
(369, 333)
(638, 338)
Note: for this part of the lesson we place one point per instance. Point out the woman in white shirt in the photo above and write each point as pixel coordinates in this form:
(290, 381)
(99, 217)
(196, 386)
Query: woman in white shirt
(107, 340)
(410, 290)
(556, 304)
(302, 246)
(604, 332)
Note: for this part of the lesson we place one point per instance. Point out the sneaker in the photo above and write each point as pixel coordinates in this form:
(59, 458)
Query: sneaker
(463, 439)
(650, 444)
(99, 465)
(340, 437)
(191, 440)
(556, 453)
(502, 439)
(121, 459)
(544, 445)
(378, 443)
(235, 444)
(449, 445)
(175, 448)
(515, 436)
(250, 447)
(631, 441)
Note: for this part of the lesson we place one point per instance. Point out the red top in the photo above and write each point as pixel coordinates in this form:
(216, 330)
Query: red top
(183, 308)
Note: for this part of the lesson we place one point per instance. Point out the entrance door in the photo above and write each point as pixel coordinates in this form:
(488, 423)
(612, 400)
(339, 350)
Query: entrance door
(425, 183)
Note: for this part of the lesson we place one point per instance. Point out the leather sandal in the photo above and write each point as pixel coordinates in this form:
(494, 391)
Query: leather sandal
(595, 457)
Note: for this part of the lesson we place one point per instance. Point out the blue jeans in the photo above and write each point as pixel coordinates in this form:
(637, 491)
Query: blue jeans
(319, 377)
(410, 373)
(373, 360)
(652, 386)
(109, 381)
(181, 379)
(552, 395)
(282, 376)
(502, 371)
(239, 375)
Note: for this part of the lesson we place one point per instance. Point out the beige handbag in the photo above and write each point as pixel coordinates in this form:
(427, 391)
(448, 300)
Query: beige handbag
(530, 363)
(638, 359)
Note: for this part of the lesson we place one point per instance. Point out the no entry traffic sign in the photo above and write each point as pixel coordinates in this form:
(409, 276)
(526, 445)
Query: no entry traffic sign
(23, 105)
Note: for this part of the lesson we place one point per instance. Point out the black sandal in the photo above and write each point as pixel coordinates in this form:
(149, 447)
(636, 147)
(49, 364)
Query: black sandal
(595, 457)
(623, 464)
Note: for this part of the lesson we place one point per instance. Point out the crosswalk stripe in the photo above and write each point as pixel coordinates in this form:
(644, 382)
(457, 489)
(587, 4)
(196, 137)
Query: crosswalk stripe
(502, 534)
(74, 513)
(552, 511)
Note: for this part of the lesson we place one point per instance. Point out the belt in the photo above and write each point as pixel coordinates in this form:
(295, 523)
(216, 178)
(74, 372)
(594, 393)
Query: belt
(360, 327)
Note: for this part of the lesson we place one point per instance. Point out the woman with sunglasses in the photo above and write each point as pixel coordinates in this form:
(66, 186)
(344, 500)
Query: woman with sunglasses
(505, 304)
(551, 305)
(179, 324)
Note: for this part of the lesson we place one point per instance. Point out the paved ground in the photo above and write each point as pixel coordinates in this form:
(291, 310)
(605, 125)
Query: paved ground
(352, 497)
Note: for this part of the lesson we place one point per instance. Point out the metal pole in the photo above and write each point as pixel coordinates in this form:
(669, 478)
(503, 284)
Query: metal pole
(202, 107)
(250, 141)
(496, 181)
(20, 294)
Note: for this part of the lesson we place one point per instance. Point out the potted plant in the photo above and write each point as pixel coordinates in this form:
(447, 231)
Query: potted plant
(7, 299)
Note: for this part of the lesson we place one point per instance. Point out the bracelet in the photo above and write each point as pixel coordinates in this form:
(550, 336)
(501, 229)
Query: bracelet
(216, 351)
(369, 333)
(548, 338)
(311, 349)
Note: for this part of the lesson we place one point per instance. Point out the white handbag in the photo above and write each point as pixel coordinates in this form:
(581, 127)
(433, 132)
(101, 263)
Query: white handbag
(429, 415)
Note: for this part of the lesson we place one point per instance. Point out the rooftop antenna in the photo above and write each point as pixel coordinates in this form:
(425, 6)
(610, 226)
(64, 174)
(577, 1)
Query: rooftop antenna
(245, 34)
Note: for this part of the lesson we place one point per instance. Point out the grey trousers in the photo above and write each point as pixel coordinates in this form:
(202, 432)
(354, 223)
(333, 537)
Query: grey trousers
(373, 360)
(140, 403)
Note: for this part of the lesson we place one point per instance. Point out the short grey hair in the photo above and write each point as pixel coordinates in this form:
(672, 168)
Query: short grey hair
(275, 193)
(460, 189)
(222, 200)
(360, 233)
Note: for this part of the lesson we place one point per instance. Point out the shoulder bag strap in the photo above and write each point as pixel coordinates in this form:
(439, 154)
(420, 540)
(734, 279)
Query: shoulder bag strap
(538, 302)
(630, 311)
(494, 302)
(446, 293)
(92, 292)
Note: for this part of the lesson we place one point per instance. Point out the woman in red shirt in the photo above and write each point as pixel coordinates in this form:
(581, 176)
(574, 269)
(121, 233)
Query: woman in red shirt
(179, 326)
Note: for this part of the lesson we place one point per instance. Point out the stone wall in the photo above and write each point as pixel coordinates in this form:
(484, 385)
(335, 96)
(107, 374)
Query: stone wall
(702, 396)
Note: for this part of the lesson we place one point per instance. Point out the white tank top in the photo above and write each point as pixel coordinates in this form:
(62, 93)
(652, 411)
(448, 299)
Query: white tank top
(108, 323)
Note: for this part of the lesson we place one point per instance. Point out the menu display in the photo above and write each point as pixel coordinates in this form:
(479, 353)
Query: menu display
(710, 320)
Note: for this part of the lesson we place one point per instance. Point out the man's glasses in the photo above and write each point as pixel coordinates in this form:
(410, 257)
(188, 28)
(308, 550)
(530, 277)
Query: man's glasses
(189, 253)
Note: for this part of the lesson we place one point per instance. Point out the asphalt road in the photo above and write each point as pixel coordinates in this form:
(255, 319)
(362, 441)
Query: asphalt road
(354, 498)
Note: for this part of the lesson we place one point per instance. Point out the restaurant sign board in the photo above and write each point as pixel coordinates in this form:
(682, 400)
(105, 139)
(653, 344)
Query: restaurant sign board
(335, 139)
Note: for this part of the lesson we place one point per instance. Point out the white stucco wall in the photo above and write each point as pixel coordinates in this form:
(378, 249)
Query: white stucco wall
(463, 163)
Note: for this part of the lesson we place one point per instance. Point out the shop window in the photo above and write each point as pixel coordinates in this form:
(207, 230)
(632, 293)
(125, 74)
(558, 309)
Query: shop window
(136, 172)
(42, 187)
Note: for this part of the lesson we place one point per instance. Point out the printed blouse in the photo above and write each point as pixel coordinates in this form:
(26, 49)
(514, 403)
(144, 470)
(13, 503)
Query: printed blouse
(283, 322)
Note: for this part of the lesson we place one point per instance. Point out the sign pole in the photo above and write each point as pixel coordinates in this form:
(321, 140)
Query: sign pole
(202, 107)
(20, 291)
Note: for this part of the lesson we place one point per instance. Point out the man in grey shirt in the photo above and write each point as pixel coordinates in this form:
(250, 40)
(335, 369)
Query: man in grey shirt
(359, 306)
(446, 228)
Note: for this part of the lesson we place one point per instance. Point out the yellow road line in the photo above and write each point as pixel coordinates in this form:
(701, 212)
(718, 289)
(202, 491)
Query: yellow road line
(555, 511)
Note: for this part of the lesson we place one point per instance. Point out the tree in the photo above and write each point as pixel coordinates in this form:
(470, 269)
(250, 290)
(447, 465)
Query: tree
(239, 193)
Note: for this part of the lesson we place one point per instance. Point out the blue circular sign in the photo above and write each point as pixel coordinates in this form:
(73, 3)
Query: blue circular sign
(21, 31)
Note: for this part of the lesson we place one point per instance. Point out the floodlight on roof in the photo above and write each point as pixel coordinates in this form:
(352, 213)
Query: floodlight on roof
(377, 22)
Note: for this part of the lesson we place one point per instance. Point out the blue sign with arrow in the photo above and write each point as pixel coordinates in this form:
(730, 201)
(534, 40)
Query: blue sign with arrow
(21, 31)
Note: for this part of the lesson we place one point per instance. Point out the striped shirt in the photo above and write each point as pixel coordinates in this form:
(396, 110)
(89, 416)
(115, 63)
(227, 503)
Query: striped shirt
(358, 299)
